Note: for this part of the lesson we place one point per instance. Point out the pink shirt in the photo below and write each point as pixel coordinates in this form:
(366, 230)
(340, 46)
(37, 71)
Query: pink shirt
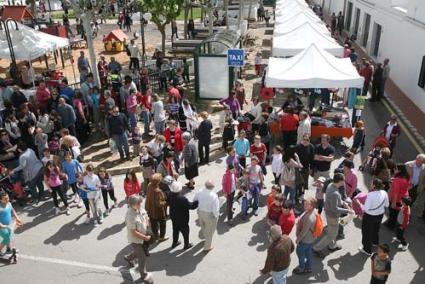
(131, 103)
(350, 183)
(54, 179)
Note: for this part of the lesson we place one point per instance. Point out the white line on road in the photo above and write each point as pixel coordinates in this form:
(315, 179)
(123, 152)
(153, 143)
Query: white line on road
(119, 270)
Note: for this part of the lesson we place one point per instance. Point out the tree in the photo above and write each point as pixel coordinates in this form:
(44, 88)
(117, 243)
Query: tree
(163, 12)
(208, 6)
(187, 7)
(86, 11)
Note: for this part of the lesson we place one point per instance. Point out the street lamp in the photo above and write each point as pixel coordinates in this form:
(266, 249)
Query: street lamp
(4, 25)
(144, 17)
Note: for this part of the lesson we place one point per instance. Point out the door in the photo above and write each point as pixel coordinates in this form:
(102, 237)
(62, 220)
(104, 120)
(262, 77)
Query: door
(356, 22)
(349, 16)
(366, 28)
(377, 39)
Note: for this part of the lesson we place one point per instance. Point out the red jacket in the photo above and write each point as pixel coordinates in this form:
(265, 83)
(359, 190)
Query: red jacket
(286, 222)
(274, 212)
(227, 182)
(289, 122)
(366, 73)
(42, 94)
(178, 141)
(131, 187)
(399, 189)
(406, 216)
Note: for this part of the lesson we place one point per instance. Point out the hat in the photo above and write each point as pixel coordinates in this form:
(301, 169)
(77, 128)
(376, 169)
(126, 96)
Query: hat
(168, 180)
(275, 232)
(176, 187)
(393, 117)
(321, 179)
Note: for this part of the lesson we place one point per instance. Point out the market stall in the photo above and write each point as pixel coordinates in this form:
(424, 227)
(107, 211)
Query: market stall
(115, 41)
(315, 68)
(288, 24)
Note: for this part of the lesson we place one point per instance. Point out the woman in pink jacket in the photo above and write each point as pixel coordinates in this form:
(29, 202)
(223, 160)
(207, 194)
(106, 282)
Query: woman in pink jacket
(229, 184)
(131, 104)
(43, 95)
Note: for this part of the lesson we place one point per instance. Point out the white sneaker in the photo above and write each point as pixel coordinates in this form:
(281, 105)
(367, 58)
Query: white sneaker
(404, 248)
(96, 223)
(364, 252)
(100, 221)
(395, 240)
(115, 205)
(106, 212)
(79, 205)
(148, 278)
(67, 212)
(87, 220)
(57, 211)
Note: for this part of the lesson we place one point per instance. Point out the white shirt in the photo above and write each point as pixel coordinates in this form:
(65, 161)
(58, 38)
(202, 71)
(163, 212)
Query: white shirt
(303, 128)
(208, 201)
(416, 174)
(389, 131)
(91, 181)
(277, 164)
(158, 111)
(256, 111)
(375, 203)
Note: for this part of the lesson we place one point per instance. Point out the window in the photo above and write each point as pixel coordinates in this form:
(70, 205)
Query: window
(366, 28)
(356, 22)
(377, 39)
(349, 15)
(421, 82)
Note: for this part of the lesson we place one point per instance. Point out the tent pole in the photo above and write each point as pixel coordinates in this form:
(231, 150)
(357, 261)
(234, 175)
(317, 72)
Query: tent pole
(56, 57)
(33, 82)
(45, 60)
(63, 64)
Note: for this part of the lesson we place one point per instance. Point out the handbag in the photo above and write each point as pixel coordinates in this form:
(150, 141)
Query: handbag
(288, 174)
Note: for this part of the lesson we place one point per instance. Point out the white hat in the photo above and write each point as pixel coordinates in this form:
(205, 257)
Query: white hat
(176, 187)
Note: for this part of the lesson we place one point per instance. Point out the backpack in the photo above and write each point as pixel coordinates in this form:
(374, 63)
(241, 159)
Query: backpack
(288, 175)
(318, 226)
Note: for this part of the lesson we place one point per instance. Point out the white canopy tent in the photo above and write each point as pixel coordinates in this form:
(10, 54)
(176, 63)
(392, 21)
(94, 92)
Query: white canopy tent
(285, 3)
(29, 44)
(296, 21)
(295, 41)
(312, 68)
(290, 17)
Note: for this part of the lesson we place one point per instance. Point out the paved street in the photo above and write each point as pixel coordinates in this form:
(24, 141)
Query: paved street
(64, 250)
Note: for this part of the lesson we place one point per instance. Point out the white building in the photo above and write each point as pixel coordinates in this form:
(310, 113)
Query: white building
(393, 29)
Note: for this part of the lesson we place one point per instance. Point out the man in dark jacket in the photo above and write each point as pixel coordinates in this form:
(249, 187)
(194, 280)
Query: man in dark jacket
(305, 151)
(67, 114)
(204, 138)
(118, 127)
(179, 214)
(278, 255)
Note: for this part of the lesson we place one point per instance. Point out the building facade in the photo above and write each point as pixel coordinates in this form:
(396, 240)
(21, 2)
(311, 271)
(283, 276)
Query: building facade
(393, 29)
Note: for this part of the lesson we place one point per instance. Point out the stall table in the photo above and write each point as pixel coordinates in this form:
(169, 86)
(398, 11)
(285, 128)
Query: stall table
(318, 130)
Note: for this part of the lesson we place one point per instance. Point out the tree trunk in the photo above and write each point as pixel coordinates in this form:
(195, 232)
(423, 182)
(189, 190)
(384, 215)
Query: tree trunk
(32, 8)
(92, 54)
(162, 31)
(226, 11)
(240, 14)
(186, 16)
(210, 20)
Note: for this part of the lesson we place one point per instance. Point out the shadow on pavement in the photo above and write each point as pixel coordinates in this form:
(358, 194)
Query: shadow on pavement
(107, 232)
(122, 264)
(319, 274)
(259, 237)
(347, 266)
(177, 262)
(70, 231)
(42, 214)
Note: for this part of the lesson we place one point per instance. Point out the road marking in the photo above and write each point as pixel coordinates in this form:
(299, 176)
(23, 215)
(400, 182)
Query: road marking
(118, 270)
(405, 128)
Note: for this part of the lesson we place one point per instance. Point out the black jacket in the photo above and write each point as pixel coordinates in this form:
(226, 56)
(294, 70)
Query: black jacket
(179, 208)
(204, 131)
(117, 124)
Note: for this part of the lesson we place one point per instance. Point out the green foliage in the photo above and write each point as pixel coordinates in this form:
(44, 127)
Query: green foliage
(163, 11)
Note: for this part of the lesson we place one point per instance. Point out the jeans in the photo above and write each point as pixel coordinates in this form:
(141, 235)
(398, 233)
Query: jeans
(291, 192)
(57, 190)
(132, 118)
(304, 253)
(159, 127)
(279, 277)
(229, 199)
(146, 121)
(37, 182)
(121, 141)
(204, 156)
(105, 197)
(134, 62)
(255, 192)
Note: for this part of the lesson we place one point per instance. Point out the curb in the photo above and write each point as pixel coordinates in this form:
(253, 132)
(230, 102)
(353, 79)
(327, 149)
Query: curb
(412, 129)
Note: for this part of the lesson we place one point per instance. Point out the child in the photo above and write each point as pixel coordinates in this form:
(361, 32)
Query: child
(277, 163)
(93, 186)
(403, 219)
(228, 129)
(275, 210)
(156, 147)
(82, 192)
(270, 198)
(71, 167)
(244, 192)
(381, 265)
(319, 183)
(287, 218)
(359, 135)
(40, 141)
(256, 179)
(107, 188)
(257, 62)
(137, 138)
(52, 178)
(54, 145)
(131, 184)
(46, 156)
(147, 163)
(7, 224)
(229, 184)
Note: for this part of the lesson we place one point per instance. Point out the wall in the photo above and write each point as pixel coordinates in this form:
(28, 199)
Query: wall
(402, 40)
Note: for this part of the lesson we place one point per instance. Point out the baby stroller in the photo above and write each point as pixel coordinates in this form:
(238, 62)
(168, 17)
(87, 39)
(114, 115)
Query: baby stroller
(12, 186)
(245, 124)
(374, 154)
